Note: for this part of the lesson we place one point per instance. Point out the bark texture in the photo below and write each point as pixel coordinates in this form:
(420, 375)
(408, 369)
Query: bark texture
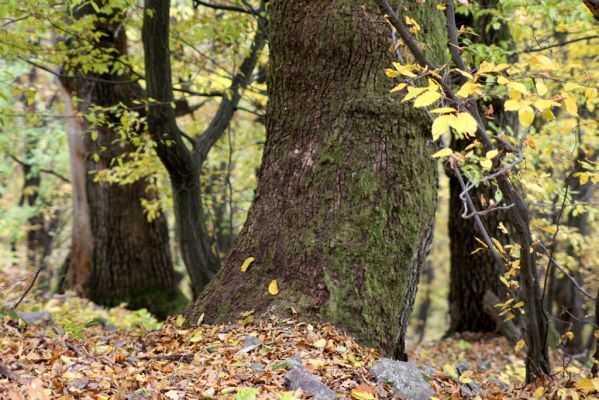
(343, 213)
(131, 259)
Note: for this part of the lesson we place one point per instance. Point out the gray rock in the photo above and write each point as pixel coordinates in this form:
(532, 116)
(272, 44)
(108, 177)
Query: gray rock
(301, 378)
(407, 379)
(470, 390)
(249, 344)
(467, 390)
(35, 317)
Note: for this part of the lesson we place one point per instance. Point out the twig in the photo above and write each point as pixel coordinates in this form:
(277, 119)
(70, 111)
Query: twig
(560, 44)
(4, 371)
(184, 358)
(39, 270)
(223, 7)
(45, 171)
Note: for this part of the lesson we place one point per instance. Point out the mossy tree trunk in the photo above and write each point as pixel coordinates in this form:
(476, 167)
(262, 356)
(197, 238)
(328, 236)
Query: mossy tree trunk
(131, 258)
(343, 213)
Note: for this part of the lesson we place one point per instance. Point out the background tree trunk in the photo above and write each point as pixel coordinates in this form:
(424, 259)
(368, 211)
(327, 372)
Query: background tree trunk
(131, 258)
(79, 262)
(472, 275)
(343, 213)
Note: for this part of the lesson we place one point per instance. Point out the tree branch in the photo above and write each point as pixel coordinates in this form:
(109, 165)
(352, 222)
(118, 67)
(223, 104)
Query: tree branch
(45, 171)
(223, 7)
(560, 44)
(230, 99)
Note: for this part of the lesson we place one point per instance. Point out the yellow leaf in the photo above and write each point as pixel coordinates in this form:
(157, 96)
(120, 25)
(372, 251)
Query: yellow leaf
(413, 92)
(412, 22)
(541, 88)
(486, 164)
(443, 153)
(511, 105)
(464, 123)
(443, 110)
(502, 80)
(320, 344)
(246, 264)
(590, 94)
(587, 385)
(548, 114)
(500, 67)
(540, 391)
(427, 99)
(405, 70)
(571, 86)
(358, 395)
(273, 288)
(526, 115)
(392, 73)
(485, 67)
(179, 321)
(449, 370)
(441, 7)
(465, 74)
(571, 106)
(466, 90)
(517, 86)
(441, 125)
(519, 345)
(399, 87)
(491, 154)
(573, 370)
(544, 104)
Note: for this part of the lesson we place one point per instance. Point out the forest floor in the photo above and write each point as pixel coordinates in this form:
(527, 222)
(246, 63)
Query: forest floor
(79, 350)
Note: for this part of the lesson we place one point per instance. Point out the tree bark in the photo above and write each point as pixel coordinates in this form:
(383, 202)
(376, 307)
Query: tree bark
(131, 259)
(343, 213)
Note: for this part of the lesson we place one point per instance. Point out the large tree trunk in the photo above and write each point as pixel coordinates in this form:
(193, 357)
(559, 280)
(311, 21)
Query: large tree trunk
(472, 275)
(343, 213)
(131, 259)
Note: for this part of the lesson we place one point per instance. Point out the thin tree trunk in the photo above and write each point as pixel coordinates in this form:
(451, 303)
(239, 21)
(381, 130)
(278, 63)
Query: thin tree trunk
(184, 165)
(79, 260)
(343, 213)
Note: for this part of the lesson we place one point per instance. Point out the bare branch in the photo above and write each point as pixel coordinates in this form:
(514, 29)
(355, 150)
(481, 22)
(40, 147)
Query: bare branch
(230, 99)
(45, 171)
(223, 7)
